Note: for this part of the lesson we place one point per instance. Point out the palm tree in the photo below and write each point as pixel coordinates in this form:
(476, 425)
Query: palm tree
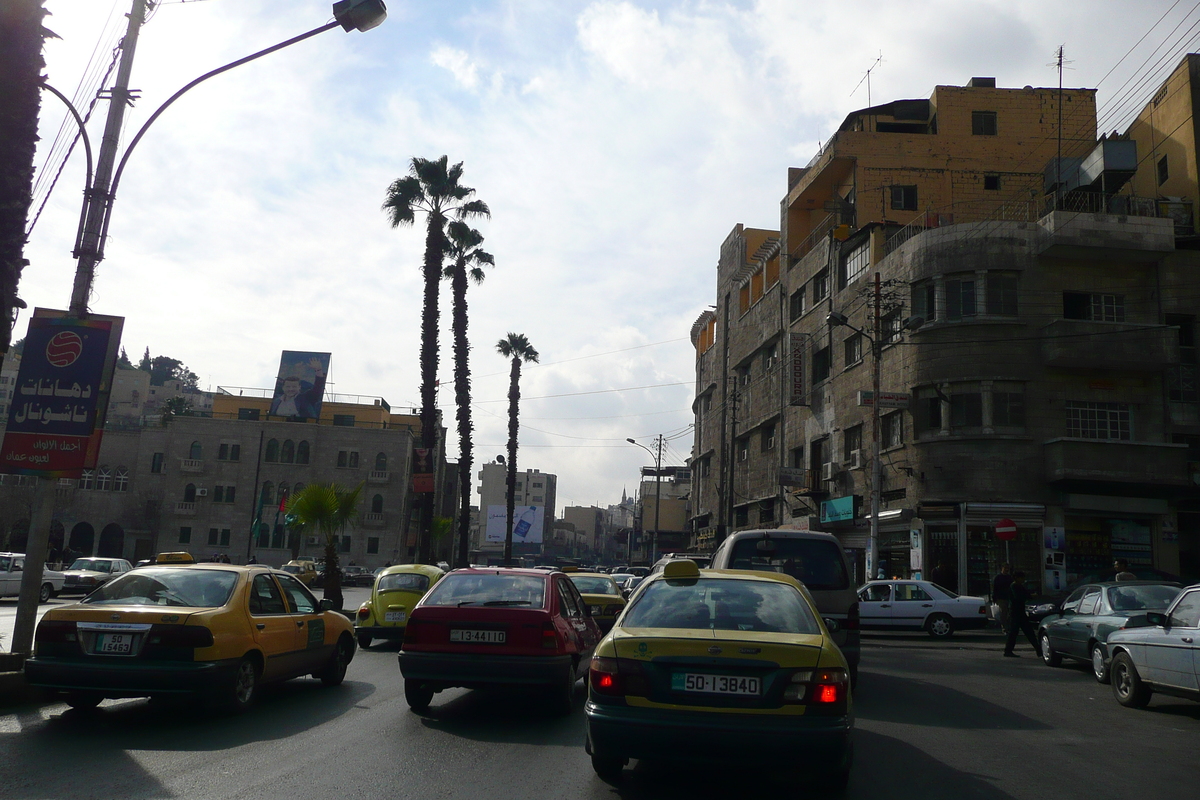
(433, 188)
(328, 508)
(467, 259)
(518, 348)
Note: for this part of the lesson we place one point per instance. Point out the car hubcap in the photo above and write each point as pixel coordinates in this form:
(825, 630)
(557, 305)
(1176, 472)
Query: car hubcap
(1122, 679)
(1045, 648)
(1097, 662)
(245, 683)
(940, 627)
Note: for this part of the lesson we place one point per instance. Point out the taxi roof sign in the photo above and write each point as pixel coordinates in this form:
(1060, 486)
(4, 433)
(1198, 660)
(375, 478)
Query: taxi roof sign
(683, 568)
(179, 557)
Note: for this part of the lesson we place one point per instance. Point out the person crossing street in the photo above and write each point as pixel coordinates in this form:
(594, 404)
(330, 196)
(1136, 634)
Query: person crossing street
(1018, 618)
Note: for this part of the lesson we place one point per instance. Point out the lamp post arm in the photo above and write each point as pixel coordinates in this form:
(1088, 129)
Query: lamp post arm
(87, 149)
(158, 112)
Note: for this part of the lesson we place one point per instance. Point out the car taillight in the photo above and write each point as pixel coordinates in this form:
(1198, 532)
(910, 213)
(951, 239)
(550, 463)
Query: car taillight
(549, 636)
(851, 623)
(180, 636)
(618, 677)
(826, 690)
(364, 612)
(983, 610)
(53, 630)
(412, 632)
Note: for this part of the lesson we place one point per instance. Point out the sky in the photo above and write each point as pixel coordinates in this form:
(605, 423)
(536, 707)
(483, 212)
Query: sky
(616, 143)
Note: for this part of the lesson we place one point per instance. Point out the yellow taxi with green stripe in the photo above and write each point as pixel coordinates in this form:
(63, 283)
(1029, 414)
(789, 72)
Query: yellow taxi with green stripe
(721, 665)
(603, 596)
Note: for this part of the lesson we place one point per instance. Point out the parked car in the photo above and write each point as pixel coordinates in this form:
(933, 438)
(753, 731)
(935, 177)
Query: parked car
(12, 569)
(304, 570)
(603, 596)
(213, 631)
(357, 576)
(919, 605)
(701, 559)
(1047, 604)
(1080, 627)
(89, 573)
(730, 665)
(396, 591)
(629, 584)
(815, 559)
(1162, 657)
(490, 628)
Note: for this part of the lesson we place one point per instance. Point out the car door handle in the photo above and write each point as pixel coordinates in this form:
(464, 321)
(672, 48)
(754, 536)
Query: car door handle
(885, 605)
(261, 626)
(300, 623)
(926, 605)
(1187, 639)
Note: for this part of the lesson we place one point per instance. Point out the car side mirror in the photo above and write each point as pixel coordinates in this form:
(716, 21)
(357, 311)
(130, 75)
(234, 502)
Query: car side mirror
(326, 604)
(1156, 618)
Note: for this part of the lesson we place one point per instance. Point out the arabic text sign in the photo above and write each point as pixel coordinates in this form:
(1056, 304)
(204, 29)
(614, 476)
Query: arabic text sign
(527, 524)
(61, 395)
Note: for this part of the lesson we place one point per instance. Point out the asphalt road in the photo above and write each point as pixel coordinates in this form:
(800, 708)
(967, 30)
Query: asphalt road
(935, 720)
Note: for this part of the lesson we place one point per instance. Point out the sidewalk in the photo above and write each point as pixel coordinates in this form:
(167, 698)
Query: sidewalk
(985, 639)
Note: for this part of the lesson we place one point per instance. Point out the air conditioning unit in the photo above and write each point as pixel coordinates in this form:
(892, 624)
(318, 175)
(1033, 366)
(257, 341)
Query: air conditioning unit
(856, 460)
(202, 493)
(828, 470)
(769, 444)
(311, 540)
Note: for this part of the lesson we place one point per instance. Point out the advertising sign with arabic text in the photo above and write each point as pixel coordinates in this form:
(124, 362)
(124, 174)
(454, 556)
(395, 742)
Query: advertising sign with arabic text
(56, 412)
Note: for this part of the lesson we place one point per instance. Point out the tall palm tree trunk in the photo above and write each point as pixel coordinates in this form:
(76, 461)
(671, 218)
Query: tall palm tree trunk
(462, 397)
(514, 402)
(435, 249)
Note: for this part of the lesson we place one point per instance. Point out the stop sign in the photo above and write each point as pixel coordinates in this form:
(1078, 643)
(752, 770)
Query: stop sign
(1006, 530)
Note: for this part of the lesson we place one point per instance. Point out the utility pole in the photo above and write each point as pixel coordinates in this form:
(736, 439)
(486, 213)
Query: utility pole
(732, 456)
(657, 499)
(876, 467)
(88, 243)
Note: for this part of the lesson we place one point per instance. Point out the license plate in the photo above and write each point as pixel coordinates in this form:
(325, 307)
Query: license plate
(477, 637)
(394, 616)
(716, 684)
(114, 644)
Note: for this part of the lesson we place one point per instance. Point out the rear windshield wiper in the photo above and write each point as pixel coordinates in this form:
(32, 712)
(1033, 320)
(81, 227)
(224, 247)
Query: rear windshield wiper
(507, 603)
(462, 603)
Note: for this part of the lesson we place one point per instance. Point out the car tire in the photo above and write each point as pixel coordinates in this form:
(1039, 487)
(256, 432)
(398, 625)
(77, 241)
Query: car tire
(940, 626)
(418, 696)
(243, 689)
(607, 767)
(562, 693)
(335, 671)
(1100, 670)
(45, 593)
(83, 701)
(1127, 685)
(1050, 656)
(364, 640)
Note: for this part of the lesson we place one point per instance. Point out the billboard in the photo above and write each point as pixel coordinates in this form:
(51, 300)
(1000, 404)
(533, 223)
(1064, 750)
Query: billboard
(56, 415)
(527, 524)
(300, 385)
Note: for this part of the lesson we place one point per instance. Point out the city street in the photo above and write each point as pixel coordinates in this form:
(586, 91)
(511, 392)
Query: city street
(935, 720)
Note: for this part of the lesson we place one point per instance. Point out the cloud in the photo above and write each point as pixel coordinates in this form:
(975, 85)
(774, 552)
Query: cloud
(458, 63)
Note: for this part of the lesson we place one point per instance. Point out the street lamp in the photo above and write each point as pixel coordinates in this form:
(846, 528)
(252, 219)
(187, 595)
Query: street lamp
(657, 491)
(837, 319)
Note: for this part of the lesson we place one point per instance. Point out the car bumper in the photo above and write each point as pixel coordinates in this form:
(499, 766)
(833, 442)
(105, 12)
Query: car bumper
(129, 679)
(629, 732)
(381, 631)
(479, 670)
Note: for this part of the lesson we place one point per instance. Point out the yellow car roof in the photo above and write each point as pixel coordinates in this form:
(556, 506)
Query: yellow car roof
(421, 569)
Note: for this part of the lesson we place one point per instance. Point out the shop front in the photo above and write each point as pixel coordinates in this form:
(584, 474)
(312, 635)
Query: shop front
(987, 553)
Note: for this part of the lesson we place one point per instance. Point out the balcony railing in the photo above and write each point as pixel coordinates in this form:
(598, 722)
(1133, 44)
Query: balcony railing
(816, 236)
(378, 476)
(373, 520)
(185, 509)
(191, 465)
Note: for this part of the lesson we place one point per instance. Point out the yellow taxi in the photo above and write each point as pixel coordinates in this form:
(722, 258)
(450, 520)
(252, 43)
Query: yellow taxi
(213, 631)
(729, 665)
(304, 570)
(603, 596)
(396, 590)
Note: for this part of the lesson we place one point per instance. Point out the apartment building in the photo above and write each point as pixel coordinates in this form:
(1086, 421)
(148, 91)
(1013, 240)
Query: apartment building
(533, 488)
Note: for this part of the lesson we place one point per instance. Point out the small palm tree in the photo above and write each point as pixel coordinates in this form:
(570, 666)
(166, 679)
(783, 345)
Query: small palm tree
(517, 347)
(467, 260)
(328, 508)
(433, 188)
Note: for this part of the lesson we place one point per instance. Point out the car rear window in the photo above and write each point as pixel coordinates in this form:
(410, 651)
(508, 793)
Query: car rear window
(817, 563)
(588, 585)
(722, 605)
(94, 566)
(488, 589)
(404, 581)
(159, 586)
(1140, 598)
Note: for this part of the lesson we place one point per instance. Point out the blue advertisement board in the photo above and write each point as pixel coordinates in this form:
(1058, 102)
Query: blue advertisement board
(839, 509)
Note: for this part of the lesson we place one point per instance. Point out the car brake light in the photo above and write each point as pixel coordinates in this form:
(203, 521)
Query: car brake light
(823, 688)
(53, 630)
(983, 610)
(364, 612)
(411, 632)
(549, 636)
(826, 694)
(618, 677)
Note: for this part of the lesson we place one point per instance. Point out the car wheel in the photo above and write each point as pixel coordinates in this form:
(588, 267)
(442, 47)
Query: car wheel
(418, 696)
(607, 768)
(562, 694)
(244, 688)
(45, 593)
(1127, 685)
(940, 626)
(83, 701)
(1099, 668)
(335, 671)
(1049, 655)
(364, 640)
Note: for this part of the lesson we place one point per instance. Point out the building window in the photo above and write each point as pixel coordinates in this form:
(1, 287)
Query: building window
(372, 545)
(966, 409)
(743, 448)
(103, 478)
(344, 545)
(213, 536)
(928, 416)
(991, 183)
(705, 467)
(1163, 172)
(1094, 306)
(821, 365)
(224, 537)
(820, 286)
(185, 535)
(381, 462)
(121, 480)
(537, 498)
(189, 493)
(960, 298)
(1008, 408)
(287, 453)
(856, 262)
(768, 437)
(377, 504)
(741, 516)
(743, 376)
(892, 429)
(302, 452)
(851, 442)
(1001, 294)
(268, 493)
(252, 414)
(1181, 384)
(195, 452)
(224, 494)
(156, 463)
(796, 458)
(1098, 420)
(344, 420)
(347, 459)
(537, 485)
(854, 349)
(766, 510)
(924, 300)
(817, 451)
(229, 451)
(272, 453)
(796, 303)
(983, 123)
(770, 356)
(904, 198)
(892, 325)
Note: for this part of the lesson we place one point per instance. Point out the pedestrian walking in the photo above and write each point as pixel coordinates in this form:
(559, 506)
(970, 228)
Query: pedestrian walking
(1018, 619)
(1001, 585)
(1123, 573)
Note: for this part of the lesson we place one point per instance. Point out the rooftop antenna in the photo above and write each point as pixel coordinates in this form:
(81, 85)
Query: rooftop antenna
(867, 78)
(1059, 63)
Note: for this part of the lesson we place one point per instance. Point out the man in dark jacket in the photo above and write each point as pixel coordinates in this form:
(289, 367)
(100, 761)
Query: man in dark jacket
(1018, 597)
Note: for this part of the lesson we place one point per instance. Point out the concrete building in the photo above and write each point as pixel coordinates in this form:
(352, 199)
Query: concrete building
(533, 488)
(663, 510)
(1037, 389)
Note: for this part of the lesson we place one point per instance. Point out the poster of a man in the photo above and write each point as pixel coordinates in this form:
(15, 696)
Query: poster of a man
(300, 385)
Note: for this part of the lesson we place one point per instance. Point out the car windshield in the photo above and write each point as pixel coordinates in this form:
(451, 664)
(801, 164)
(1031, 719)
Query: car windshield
(1141, 598)
(488, 589)
(95, 566)
(723, 605)
(5, 563)
(403, 581)
(163, 586)
(817, 563)
(944, 590)
(589, 585)
(292, 568)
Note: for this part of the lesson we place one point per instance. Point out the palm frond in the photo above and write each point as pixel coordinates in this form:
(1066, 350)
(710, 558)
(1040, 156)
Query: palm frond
(404, 196)
(473, 208)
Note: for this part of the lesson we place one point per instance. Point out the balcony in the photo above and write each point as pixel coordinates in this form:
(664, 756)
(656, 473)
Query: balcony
(185, 509)
(193, 465)
(378, 476)
(372, 520)
(1080, 344)
(1100, 235)
(1151, 465)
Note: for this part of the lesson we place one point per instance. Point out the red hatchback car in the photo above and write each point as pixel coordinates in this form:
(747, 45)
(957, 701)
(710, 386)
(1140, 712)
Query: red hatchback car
(498, 627)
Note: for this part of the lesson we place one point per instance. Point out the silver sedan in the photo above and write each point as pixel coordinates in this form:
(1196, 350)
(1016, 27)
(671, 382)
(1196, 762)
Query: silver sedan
(1163, 657)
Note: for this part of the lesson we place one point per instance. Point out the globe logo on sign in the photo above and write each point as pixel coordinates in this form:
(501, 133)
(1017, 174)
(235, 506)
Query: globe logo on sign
(64, 348)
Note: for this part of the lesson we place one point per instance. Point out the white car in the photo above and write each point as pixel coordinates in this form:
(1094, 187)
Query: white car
(918, 605)
(1162, 656)
(12, 568)
(89, 573)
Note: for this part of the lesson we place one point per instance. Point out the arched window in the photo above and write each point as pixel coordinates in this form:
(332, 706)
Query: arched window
(272, 453)
(299, 488)
(195, 452)
(103, 478)
(268, 493)
(121, 481)
(87, 479)
(381, 462)
(288, 454)
(189, 493)
(302, 453)
(377, 504)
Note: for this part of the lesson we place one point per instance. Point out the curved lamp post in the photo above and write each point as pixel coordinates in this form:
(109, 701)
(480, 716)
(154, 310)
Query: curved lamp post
(657, 489)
